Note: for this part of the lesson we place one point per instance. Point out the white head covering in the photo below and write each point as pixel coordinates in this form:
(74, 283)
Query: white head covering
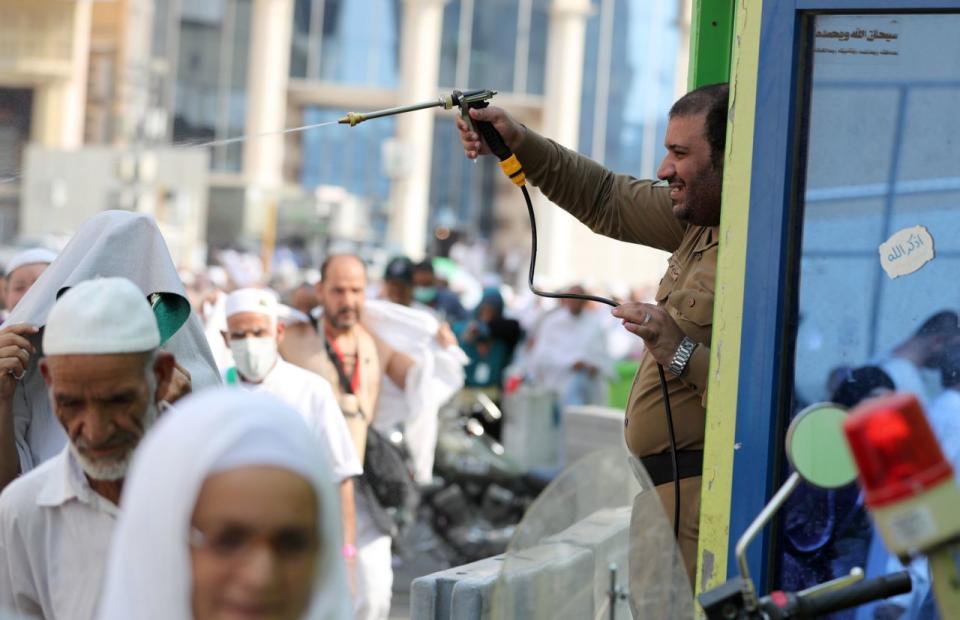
(33, 256)
(110, 244)
(257, 300)
(148, 575)
(106, 315)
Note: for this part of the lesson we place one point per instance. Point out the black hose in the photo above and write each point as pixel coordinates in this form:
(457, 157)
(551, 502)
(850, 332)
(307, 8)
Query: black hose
(533, 263)
(673, 454)
(610, 302)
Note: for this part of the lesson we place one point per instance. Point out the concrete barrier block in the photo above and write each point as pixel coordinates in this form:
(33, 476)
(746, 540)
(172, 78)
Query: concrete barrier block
(432, 596)
(606, 535)
(547, 581)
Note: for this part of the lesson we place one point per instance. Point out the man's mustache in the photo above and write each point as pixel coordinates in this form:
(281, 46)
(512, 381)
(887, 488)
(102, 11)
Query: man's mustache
(117, 440)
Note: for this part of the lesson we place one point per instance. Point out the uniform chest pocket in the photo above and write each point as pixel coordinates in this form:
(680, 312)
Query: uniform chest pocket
(668, 281)
(693, 306)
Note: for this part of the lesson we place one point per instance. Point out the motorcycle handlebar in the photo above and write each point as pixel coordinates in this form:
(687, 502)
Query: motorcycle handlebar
(816, 605)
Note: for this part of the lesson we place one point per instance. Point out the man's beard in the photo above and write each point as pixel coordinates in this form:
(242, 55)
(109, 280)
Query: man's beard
(701, 203)
(345, 318)
(113, 469)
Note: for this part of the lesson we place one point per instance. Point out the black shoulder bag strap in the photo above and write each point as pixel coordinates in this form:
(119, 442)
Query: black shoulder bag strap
(365, 485)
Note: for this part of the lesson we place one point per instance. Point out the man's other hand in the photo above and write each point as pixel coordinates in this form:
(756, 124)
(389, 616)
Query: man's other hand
(587, 367)
(181, 384)
(654, 324)
(15, 352)
(510, 130)
(445, 337)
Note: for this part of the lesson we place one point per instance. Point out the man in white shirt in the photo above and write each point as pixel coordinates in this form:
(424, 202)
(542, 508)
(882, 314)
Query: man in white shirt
(253, 335)
(104, 375)
(569, 354)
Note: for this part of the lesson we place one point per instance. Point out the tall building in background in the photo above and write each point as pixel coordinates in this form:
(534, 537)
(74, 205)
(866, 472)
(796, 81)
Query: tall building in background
(85, 99)
(596, 75)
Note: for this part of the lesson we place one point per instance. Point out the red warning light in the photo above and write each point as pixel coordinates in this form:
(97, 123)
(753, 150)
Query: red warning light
(896, 451)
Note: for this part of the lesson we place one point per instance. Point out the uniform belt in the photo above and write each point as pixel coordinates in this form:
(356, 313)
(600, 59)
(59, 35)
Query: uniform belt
(660, 466)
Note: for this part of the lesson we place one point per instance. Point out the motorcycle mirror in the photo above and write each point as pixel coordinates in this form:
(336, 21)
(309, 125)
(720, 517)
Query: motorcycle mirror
(817, 448)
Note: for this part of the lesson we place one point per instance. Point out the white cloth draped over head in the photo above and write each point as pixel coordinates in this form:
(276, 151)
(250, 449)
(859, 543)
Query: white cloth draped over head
(110, 244)
(148, 574)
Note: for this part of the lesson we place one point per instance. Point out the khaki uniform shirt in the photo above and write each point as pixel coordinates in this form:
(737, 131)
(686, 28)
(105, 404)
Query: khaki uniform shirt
(624, 208)
(303, 346)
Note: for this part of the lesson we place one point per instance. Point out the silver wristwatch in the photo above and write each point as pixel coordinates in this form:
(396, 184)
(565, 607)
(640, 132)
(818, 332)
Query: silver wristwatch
(681, 356)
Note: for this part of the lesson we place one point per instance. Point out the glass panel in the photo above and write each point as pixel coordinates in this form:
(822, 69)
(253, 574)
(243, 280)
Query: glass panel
(352, 160)
(628, 83)
(161, 20)
(461, 192)
(537, 60)
(883, 145)
(237, 92)
(449, 44)
(300, 40)
(359, 44)
(15, 112)
(198, 74)
(493, 44)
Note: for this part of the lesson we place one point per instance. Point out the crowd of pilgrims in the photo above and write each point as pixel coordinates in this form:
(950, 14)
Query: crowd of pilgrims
(189, 445)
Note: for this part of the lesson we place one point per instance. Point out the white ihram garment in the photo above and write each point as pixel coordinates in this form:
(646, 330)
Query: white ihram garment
(436, 376)
(55, 533)
(311, 396)
(562, 340)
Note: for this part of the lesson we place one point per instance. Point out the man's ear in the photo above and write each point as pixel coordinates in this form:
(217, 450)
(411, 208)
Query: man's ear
(281, 330)
(163, 370)
(318, 291)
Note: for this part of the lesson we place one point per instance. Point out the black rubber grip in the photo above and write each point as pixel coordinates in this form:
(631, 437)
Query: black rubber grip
(490, 135)
(856, 594)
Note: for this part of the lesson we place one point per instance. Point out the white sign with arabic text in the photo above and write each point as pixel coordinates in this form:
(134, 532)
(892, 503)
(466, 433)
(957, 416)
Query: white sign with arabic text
(906, 251)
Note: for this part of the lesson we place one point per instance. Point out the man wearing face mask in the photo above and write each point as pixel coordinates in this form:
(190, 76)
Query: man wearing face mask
(428, 291)
(105, 376)
(253, 335)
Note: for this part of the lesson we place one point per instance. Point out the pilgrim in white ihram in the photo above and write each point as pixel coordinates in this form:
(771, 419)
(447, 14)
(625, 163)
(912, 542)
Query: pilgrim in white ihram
(56, 521)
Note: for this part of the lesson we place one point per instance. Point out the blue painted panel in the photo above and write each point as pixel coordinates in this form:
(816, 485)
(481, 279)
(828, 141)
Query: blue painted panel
(766, 345)
(754, 470)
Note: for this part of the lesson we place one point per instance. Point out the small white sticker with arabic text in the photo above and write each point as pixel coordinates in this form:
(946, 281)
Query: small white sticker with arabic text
(906, 251)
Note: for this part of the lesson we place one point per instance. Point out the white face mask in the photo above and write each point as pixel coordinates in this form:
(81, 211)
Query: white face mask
(255, 357)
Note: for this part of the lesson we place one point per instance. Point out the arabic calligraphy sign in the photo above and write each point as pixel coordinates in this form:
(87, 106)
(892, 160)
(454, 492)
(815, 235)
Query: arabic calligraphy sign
(857, 38)
(906, 251)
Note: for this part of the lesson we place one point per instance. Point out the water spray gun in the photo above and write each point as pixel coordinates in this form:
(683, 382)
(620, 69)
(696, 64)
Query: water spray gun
(465, 101)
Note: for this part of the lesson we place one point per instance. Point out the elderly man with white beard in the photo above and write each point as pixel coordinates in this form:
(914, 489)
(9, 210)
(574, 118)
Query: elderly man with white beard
(104, 374)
